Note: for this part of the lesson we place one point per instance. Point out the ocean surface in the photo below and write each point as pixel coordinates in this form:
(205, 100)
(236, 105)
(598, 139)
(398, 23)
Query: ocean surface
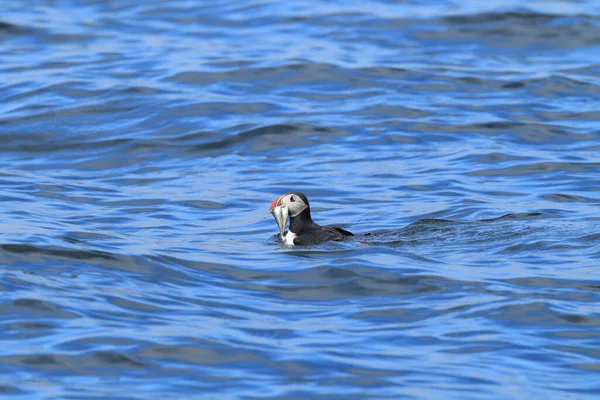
(141, 144)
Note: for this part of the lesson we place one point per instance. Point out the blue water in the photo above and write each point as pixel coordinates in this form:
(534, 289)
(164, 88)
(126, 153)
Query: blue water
(141, 144)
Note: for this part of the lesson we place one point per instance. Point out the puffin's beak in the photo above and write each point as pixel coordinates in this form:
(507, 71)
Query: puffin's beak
(280, 213)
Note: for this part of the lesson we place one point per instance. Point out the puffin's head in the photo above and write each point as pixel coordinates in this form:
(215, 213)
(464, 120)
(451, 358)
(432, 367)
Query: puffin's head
(287, 206)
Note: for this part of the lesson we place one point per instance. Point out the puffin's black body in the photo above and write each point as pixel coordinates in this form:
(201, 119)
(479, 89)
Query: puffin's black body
(304, 231)
(309, 233)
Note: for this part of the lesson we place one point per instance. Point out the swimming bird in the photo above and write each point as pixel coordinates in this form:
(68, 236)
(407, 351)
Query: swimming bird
(302, 231)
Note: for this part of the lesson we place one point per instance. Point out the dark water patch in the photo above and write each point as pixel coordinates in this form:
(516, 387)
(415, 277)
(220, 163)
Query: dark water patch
(112, 358)
(523, 30)
(203, 204)
(74, 254)
(591, 238)
(569, 198)
(492, 158)
(11, 390)
(532, 133)
(312, 74)
(81, 261)
(35, 307)
(271, 138)
(202, 355)
(330, 284)
(89, 364)
(501, 16)
(520, 216)
(7, 28)
(537, 313)
(44, 142)
(550, 285)
(538, 168)
(556, 86)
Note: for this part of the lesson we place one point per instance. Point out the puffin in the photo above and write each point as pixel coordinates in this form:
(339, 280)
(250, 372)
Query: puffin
(302, 231)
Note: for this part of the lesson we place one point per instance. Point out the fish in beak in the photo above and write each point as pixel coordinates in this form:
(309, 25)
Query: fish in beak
(280, 213)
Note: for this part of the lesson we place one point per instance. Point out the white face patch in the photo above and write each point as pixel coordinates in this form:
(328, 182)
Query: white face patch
(289, 238)
(295, 206)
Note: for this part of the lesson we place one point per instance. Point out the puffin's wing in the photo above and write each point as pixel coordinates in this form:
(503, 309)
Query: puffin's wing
(344, 232)
(321, 235)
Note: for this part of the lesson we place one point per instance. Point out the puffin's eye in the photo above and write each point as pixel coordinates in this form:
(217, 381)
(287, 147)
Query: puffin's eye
(292, 198)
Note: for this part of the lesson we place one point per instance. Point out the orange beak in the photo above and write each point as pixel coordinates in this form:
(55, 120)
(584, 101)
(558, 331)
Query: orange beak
(274, 204)
(280, 213)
